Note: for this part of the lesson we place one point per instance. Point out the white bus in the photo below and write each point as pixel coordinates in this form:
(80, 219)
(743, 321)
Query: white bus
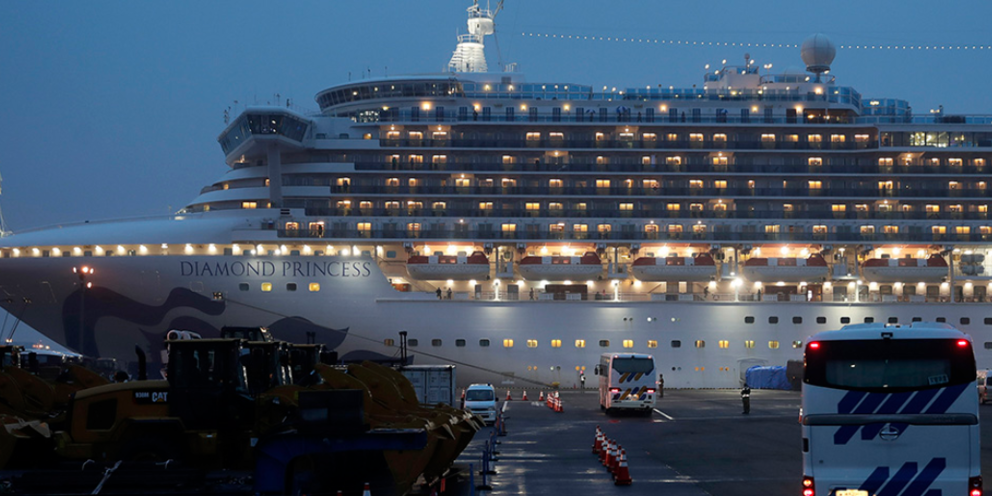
(626, 382)
(890, 410)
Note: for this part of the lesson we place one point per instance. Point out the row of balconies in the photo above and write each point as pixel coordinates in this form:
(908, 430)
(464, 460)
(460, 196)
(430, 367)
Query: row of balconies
(637, 165)
(925, 190)
(628, 144)
(628, 236)
(644, 213)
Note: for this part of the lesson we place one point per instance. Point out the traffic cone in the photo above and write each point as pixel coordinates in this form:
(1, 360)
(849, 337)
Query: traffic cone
(508, 398)
(525, 396)
(540, 397)
(366, 492)
(622, 477)
(608, 459)
(595, 444)
(603, 449)
(616, 460)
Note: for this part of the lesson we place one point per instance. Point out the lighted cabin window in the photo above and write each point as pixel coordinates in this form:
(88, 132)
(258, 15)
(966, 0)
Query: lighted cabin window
(393, 181)
(556, 343)
(439, 159)
(556, 228)
(508, 343)
(508, 183)
(815, 161)
(814, 138)
(533, 136)
(695, 183)
(555, 206)
(556, 136)
(266, 287)
(508, 228)
(600, 136)
(750, 184)
(413, 227)
(773, 229)
(978, 162)
(392, 135)
(580, 228)
(604, 228)
(646, 160)
(650, 184)
(981, 185)
(675, 229)
(720, 137)
(955, 208)
(749, 344)
(344, 204)
(439, 135)
(580, 206)
(651, 228)
(628, 343)
(649, 136)
(792, 138)
(720, 183)
(580, 343)
(652, 343)
(867, 229)
(439, 205)
(695, 207)
(934, 162)
(700, 343)
(673, 137)
(938, 229)
(626, 207)
(955, 162)
(723, 343)
(416, 159)
(838, 207)
(767, 138)
(414, 205)
(314, 287)
(627, 136)
(720, 207)
(985, 229)
(962, 230)
(485, 205)
(982, 209)
(933, 209)
(815, 184)
(604, 343)
(364, 227)
(838, 138)
(953, 185)
(773, 345)
(673, 160)
(413, 182)
(292, 226)
(720, 160)
(602, 183)
(509, 159)
(532, 206)
(463, 182)
(601, 160)
(249, 205)
(555, 183)
(861, 138)
(532, 343)
(885, 161)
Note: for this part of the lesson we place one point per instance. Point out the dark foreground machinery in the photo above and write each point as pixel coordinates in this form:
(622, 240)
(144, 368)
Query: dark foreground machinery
(231, 406)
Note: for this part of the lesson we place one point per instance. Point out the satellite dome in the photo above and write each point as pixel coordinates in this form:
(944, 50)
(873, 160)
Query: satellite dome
(818, 53)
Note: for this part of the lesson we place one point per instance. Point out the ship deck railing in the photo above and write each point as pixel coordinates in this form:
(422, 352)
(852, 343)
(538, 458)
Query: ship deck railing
(711, 297)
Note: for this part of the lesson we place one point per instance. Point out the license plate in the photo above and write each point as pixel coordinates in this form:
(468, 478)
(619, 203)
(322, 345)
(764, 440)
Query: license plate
(851, 492)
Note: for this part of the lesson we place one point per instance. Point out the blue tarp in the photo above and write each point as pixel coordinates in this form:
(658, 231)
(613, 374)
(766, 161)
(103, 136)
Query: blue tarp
(759, 377)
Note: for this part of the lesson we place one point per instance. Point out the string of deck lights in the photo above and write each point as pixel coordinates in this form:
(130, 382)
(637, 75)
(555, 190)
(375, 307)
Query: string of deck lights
(742, 44)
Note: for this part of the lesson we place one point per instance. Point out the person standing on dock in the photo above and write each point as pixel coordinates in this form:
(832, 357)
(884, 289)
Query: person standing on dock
(746, 399)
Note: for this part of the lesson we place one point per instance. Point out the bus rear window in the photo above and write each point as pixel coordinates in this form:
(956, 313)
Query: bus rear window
(633, 365)
(889, 364)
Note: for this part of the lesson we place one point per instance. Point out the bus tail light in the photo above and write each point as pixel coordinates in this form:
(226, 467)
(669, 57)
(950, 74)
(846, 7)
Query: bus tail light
(614, 390)
(650, 391)
(975, 486)
(808, 487)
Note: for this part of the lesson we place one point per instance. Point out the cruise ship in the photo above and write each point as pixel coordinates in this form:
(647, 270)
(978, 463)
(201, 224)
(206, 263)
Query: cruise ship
(521, 229)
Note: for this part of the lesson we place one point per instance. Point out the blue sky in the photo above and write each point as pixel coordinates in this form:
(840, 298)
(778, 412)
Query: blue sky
(112, 108)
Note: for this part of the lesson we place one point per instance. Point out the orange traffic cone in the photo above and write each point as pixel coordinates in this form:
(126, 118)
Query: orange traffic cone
(616, 460)
(525, 396)
(603, 449)
(608, 459)
(508, 398)
(366, 492)
(595, 444)
(540, 397)
(622, 476)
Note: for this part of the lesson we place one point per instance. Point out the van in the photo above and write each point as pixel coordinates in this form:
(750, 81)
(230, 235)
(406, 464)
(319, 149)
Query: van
(983, 376)
(480, 399)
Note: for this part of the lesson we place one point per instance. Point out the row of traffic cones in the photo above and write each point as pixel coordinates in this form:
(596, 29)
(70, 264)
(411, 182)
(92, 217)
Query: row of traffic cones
(613, 457)
(553, 401)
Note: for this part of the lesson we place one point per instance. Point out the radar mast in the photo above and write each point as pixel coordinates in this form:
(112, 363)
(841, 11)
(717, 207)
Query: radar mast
(469, 55)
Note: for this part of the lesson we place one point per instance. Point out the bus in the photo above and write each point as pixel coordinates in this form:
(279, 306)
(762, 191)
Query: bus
(626, 382)
(890, 410)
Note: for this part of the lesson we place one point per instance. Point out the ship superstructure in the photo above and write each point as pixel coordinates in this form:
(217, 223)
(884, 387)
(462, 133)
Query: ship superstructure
(572, 218)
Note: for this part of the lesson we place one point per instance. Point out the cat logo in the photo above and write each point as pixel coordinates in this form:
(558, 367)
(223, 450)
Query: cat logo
(149, 397)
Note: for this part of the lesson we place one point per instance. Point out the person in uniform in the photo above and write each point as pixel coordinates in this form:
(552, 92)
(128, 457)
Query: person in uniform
(746, 398)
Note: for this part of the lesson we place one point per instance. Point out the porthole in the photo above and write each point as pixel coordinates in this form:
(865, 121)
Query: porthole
(460, 343)
(965, 321)
(869, 320)
(290, 286)
(483, 343)
(942, 319)
(821, 320)
(893, 320)
(797, 320)
(604, 343)
(845, 320)
(749, 320)
(412, 342)
(435, 342)
(243, 286)
(676, 343)
(773, 320)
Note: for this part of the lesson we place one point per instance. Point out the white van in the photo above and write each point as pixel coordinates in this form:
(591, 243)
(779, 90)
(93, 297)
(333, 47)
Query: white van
(983, 376)
(480, 399)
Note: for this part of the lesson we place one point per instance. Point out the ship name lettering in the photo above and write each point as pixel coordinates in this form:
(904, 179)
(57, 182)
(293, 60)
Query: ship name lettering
(262, 268)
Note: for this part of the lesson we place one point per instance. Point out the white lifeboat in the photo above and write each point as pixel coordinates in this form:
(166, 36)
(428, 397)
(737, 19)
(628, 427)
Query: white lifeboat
(932, 268)
(442, 267)
(785, 269)
(535, 268)
(698, 268)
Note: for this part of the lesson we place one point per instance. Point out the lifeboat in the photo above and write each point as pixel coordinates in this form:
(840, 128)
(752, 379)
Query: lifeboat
(442, 267)
(698, 268)
(785, 269)
(534, 268)
(932, 268)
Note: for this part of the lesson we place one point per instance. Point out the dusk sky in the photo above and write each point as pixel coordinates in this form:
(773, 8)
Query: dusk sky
(112, 108)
